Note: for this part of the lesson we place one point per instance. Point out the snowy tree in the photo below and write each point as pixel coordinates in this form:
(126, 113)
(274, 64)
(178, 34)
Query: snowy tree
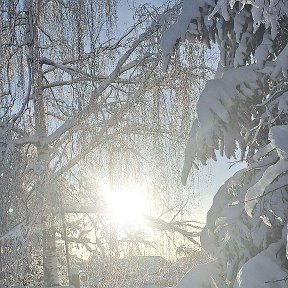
(243, 110)
(73, 92)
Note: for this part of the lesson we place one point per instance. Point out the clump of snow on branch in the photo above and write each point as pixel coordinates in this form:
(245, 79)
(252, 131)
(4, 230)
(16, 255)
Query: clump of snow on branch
(219, 123)
(278, 136)
(263, 269)
(203, 20)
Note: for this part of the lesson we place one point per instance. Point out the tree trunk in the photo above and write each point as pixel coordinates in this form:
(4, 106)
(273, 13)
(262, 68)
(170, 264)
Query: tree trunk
(45, 193)
(50, 262)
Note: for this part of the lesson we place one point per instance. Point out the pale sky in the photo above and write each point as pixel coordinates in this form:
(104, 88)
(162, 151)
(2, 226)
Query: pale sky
(209, 185)
(126, 9)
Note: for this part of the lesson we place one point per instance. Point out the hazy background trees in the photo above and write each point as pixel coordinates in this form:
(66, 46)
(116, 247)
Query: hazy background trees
(82, 107)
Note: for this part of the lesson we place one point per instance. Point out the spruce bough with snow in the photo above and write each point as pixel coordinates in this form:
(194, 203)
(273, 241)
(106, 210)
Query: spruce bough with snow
(244, 108)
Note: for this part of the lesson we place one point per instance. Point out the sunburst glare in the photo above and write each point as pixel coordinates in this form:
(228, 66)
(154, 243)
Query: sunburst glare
(127, 205)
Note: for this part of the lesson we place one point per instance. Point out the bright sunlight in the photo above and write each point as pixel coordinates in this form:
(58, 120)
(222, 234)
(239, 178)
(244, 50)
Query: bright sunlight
(127, 205)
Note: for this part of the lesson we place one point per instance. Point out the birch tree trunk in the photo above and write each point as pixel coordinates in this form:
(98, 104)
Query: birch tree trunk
(45, 193)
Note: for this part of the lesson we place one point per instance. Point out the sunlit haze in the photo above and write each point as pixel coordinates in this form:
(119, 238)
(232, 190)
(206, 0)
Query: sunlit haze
(127, 205)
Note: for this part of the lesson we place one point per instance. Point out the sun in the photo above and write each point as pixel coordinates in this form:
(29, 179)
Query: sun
(126, 205)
